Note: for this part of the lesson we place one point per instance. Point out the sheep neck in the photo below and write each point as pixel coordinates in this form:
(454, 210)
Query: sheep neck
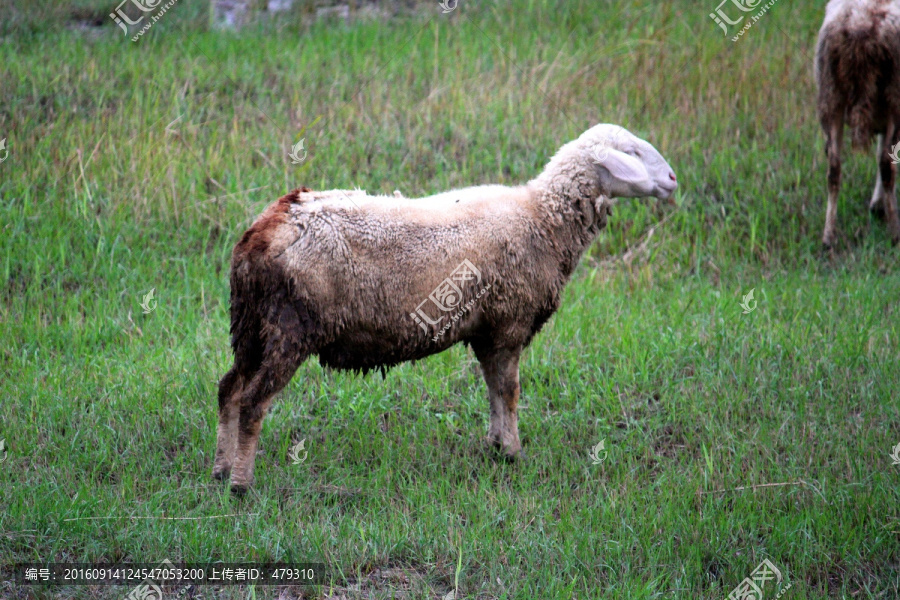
(568, 207)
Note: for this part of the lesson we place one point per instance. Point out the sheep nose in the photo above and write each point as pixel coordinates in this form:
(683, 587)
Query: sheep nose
(672, 176)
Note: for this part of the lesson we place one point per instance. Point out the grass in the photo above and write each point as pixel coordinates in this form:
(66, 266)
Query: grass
(137, 165)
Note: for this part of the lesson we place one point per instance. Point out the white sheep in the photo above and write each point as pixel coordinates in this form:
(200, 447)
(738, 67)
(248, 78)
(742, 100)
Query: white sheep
(858, 75)
(367, 282)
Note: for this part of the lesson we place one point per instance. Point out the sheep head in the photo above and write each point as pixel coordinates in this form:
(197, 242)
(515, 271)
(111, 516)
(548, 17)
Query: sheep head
(629, 167)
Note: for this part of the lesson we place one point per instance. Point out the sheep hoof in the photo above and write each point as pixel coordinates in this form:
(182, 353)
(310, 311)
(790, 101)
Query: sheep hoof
(514, 457)
(239, 490)
(510, 453)
(876, 207)
(221, 473)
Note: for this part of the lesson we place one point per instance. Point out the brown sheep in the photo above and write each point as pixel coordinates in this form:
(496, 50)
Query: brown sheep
(858, 75)
(367, 282)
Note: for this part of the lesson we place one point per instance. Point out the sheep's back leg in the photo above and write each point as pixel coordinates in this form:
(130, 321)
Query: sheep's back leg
(835, 136)
(255, 400)
(285, 350)
(501, 373)
(887, 172)
(230, 388)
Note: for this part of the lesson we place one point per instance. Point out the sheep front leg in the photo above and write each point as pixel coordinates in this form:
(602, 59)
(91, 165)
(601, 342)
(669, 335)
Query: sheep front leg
(226, 435)
(876, 206)
(887, 172)
(835, 135)
(501, 373)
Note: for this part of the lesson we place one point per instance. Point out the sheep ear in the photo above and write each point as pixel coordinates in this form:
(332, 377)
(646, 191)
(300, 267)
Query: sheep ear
(625, 168)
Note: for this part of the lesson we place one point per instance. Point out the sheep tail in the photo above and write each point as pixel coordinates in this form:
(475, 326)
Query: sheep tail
(246, 320)
(257, 285)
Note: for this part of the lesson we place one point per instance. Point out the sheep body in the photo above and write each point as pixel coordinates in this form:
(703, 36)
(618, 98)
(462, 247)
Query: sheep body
(379, 241)
(858, 76)
(344, 275)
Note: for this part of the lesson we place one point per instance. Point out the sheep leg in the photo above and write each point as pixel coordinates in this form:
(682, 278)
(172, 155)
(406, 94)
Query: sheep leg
(230, 388)
(887, 172)
(876, 206)
(501, 373)
(835, 136)
(255, 399)
(287, 331)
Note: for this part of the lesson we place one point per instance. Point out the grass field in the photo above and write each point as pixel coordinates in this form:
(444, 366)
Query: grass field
(137, 165)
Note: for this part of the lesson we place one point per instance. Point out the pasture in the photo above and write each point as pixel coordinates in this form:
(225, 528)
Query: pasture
(730, 435)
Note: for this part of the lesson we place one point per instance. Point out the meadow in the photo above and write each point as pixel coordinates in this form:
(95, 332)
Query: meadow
(729, 435)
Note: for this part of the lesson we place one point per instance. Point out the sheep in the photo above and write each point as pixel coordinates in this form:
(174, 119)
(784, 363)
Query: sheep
(857, 68)
(368, 282)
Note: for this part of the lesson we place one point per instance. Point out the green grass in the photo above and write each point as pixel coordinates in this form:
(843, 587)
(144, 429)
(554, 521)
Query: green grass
(108, 412)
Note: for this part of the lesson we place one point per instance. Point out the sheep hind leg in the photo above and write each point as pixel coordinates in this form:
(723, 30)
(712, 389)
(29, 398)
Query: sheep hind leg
(887, 172)
(501, 373)
(230, 388)
(835, 136)
(255, 399)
